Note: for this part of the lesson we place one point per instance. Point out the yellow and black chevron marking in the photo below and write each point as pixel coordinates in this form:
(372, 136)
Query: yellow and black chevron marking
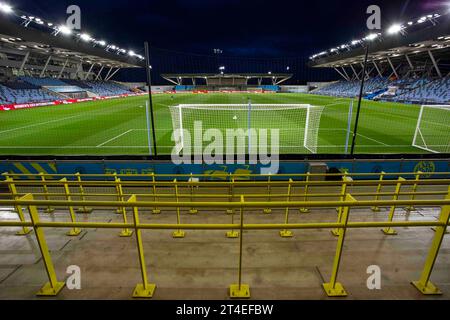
(33, 168)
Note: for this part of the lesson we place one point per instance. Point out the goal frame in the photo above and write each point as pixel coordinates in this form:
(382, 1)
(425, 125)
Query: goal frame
(250, 108)
(418, 129)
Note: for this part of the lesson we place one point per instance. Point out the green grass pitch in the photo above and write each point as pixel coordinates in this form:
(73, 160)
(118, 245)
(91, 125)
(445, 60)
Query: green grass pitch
(118, 127)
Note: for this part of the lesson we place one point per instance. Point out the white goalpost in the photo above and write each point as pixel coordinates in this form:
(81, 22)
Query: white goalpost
(433, 129)
(298, 124)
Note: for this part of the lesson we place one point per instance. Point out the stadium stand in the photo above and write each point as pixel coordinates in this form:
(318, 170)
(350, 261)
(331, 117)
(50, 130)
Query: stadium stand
(30, 90)
(19, 93)
(106, 88)
(77, 83)
(351, 89)
(410, 90)
(427, 91)
(273, 88)
(43, 82)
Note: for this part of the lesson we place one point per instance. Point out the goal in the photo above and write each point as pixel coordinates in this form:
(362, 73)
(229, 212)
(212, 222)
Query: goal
(298, 124)
(433, 129)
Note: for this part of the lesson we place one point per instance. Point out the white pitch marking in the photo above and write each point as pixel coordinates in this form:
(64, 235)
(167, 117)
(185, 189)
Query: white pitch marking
(116, 137)
(38, 124)
(379, 142)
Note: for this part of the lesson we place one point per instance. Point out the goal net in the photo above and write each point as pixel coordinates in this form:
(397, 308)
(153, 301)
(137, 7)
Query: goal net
(433, 129)
(298, 124)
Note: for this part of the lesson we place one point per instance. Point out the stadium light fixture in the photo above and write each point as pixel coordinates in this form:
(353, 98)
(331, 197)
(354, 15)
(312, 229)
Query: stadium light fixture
(102, 43)
(395, 28)
(64, 30)
(371, 36)
(6, 8)
(131, 53)
(85, 37)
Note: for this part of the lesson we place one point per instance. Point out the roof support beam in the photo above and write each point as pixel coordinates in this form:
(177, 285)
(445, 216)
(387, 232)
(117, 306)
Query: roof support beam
(62, 69)
(282, 80)
(435, 64)
(172, 81)
(377, 68)
(89, 72)
(113, 74)
(345, 72)
(367, 71)
(109, 72)
(411, 66)
(342, 75)
(393, 69)
(45, 66)
(99, 73)
(24, 61)
(354, 72)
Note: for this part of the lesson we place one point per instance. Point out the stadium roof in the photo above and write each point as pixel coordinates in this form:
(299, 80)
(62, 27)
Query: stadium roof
(429, 35)
(20, 32)
(276, 78)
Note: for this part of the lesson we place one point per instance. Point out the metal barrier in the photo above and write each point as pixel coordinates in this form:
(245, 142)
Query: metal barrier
(345, 203)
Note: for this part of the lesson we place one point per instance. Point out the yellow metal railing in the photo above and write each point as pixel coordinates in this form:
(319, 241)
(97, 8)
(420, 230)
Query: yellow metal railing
(233, 199)
(239, 290)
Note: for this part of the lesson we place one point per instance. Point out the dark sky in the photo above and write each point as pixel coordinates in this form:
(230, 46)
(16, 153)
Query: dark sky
(271, 29)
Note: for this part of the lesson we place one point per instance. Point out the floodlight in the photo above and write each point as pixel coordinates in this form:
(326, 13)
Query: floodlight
(131, 53)
(64, 30)
(6, 8)
(354, 42)
(270, 72)
(371, 36)
(102, 43)
(85, 37)
(222, 68)
(395, 28)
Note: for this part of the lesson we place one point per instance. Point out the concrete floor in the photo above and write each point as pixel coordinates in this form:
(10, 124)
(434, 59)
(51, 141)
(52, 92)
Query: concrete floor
(205, 263)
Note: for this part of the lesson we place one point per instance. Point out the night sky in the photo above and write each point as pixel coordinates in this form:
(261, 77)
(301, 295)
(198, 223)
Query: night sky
(267, 34)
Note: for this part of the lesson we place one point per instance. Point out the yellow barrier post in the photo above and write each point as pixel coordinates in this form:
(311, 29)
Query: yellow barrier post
(144, 289)
(46, 197)
(53, 287)
(346, 179)
(19, 210)
(379, 188)
(269, 197)
(192, 210)
(390, 231)
(119, 198)
(178, 233)
(125, 232)
(231, 193)
(83, 209)
(305, 198)
(155, 210)
(7, 176)
(74, 231)
(424, 284)
(287, 233)
(334, 288)
(240, 290)
(414, 190)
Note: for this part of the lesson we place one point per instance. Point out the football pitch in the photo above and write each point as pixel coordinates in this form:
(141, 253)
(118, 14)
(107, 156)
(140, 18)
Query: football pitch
(119, 127)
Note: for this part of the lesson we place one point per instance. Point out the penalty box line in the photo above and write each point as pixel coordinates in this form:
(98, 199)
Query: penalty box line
(123, 134)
